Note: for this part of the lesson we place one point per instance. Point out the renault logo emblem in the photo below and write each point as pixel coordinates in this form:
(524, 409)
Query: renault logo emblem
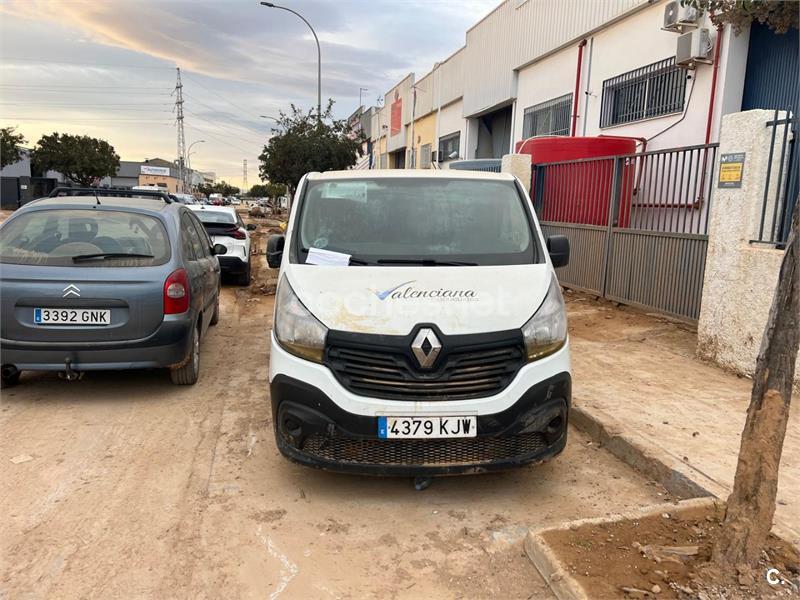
(71, 290)
(426, 347)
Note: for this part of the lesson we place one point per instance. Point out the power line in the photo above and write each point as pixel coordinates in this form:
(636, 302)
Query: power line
(92, 106)
(221, 140)
(84, 103)
(79, 91)
(244, 110)
(78, 86)
(59, 119)
(220, 126)
(8, 59)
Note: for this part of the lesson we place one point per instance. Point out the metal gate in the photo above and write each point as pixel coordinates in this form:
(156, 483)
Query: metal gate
(637, 225)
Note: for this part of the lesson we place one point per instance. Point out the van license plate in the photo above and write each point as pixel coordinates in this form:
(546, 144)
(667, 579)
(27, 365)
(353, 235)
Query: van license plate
(71, 316)
(427, 427)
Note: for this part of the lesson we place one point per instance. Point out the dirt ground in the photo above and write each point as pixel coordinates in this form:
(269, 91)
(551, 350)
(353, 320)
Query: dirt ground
(123, 485)
(664, 556)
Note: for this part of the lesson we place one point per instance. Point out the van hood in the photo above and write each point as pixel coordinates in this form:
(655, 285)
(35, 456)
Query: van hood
(393, 300)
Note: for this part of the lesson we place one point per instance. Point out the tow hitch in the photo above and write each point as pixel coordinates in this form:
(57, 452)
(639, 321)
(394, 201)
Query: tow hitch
(69, 373)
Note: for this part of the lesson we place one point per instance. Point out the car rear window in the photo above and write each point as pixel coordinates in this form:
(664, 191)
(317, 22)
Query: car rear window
(90, 238)
(215, 217)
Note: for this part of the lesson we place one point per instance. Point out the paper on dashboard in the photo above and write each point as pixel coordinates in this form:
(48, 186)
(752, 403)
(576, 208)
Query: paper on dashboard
(318, 256)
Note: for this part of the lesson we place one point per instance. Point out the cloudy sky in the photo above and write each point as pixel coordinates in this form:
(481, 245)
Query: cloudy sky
(106, 68)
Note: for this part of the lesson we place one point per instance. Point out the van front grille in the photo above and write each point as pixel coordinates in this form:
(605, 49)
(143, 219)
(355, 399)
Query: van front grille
(431, 452)
(391, 373)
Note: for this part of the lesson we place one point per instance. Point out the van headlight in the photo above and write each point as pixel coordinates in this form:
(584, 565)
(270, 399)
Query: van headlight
(296, 329)
(546, 331)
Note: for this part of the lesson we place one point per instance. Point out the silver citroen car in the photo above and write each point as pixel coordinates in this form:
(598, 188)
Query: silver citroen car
(94, 279)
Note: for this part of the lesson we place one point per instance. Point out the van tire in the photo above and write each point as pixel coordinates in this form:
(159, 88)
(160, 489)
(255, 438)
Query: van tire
(190, 371)
(215, 316)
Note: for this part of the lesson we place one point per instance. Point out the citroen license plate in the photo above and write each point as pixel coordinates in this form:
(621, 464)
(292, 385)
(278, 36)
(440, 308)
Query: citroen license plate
(427, 427)
(71, 316)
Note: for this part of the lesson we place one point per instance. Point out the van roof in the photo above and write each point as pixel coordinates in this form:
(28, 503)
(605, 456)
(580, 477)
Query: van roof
(409, 174)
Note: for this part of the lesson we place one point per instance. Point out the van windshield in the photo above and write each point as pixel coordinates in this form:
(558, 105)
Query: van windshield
(429, 220)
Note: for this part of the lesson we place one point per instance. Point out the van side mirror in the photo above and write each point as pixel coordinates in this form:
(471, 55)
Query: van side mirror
(251, 227)
(558, 248)
(219, 249)
(275, 250)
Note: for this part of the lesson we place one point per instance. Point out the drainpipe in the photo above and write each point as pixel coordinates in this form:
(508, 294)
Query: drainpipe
(713, 95)
(718, 45)
(577, 87)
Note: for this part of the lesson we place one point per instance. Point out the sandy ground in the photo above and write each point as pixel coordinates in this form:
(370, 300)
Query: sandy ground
(642, 371)
(140, 489)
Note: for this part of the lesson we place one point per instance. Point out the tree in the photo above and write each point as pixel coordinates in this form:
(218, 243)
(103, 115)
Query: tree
(751, 505)
(778, 15)
(81, 158)
(221, 187)
(302, 143)
(267, 190)
(10, 142)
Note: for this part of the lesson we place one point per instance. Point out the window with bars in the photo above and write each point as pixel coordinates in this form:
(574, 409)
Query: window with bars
(547, 118)
(651, 91)
(449, 144)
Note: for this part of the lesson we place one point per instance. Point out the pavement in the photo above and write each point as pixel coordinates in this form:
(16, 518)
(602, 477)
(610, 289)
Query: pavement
(122, 485)
(638, 387)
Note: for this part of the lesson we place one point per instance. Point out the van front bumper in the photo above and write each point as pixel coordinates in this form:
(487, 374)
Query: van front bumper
(311, 429)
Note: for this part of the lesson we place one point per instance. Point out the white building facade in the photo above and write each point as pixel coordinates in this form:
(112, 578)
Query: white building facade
(576, 67)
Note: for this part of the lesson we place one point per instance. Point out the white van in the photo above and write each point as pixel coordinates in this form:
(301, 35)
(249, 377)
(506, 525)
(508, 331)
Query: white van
(419, 327)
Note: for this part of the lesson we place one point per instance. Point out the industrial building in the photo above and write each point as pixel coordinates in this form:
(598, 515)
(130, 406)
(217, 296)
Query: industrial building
(656, 71)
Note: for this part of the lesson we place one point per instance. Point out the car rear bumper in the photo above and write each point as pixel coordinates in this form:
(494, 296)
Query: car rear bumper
(313, 430)
(167, 346)
(232, 264)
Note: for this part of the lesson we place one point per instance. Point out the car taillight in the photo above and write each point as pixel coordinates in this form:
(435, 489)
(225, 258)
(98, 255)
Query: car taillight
(237, 233)
(176, 293)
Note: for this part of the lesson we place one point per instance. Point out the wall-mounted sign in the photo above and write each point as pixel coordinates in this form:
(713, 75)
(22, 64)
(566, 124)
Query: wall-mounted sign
(148, 170)
(731, 168)
(397, 114)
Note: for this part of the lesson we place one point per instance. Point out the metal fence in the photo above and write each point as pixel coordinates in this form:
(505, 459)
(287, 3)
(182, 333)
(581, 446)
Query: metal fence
(782, 185)
(637, 225)
(490, 165)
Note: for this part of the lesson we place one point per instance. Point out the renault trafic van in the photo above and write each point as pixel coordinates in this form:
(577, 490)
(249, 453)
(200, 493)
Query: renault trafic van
(419, 327)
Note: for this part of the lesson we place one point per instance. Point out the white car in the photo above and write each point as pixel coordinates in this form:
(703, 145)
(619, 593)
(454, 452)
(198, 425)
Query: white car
(419, 326)
(225, 227)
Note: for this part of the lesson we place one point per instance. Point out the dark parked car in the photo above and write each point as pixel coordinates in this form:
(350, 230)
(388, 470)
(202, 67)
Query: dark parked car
(122, 280)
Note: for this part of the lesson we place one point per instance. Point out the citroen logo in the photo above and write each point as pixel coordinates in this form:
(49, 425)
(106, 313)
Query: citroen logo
(426, 347)
(71, 290)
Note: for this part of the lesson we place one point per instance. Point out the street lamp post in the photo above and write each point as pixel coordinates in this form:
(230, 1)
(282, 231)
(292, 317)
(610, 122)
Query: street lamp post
(277, 122)
(319, 54)
(189, 158)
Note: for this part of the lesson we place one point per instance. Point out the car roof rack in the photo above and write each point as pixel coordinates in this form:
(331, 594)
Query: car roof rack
(106, 192)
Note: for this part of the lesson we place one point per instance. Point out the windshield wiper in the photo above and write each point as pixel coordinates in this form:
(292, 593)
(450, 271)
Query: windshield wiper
(107, 255)
(425, 262)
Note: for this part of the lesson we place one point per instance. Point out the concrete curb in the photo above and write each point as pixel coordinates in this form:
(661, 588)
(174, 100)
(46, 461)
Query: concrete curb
(555, 573)
(677, 477)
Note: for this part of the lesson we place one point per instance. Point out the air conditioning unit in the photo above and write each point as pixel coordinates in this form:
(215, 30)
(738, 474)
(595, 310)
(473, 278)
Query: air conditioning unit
(679, 18)
(693, 47)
